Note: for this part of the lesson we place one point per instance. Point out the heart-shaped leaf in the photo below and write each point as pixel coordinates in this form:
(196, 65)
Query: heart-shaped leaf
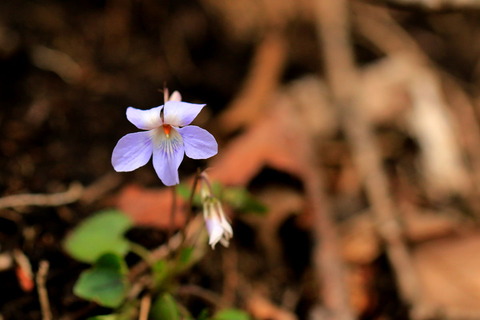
(105, 283)
(231, 314)
(99, 234)
(165, 307)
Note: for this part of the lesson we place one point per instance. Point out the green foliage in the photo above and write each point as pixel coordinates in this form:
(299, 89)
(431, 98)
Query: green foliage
(231, 314)
(165, 270)
(161, 271)
(242, 200)
(105, 283)
(99, 234)
(185, 258)
(100, 241)
(106, 317)
(203, 315)
(185, 191)
(165, 308)
(238, 198)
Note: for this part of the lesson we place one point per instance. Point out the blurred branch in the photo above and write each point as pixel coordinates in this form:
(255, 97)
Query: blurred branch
(262, 80)
(333, 31)
(326, 256)
(75, 192)
(145, 304)
(331, 20)
(429, 116)
(384, 33)
(58, 62)
(434, 4)
(42, 289)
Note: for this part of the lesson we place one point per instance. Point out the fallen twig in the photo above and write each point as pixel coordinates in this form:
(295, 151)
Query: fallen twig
(326, 256)
(145, 304)
(435, 5)
(333, 31)
(165, 249)
(73, 193)
(41, 280)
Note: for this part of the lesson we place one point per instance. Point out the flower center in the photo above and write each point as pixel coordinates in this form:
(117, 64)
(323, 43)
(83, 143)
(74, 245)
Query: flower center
(167, 128)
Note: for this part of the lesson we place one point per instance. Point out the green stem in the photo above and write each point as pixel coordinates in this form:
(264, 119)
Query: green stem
(141, 251)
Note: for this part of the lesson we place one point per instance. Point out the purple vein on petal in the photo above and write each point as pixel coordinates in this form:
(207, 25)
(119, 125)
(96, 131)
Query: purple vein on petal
(167, 155)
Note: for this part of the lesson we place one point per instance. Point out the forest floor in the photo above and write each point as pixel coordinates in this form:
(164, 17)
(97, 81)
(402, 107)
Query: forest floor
(361, 141)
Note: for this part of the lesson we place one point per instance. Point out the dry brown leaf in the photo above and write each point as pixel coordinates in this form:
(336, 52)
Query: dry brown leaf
(361, 244)
(432, 124)
(359, 280)
(382, 94)
(359, 239)
(448, 271)
(149, 207)
(421, 225)
(263, 309)
(279, 137)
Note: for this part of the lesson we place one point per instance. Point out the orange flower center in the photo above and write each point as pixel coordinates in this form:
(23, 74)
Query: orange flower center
(167, 128)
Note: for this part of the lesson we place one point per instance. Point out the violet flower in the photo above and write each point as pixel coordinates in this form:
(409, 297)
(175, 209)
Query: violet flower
(219, 230)
(168, 137)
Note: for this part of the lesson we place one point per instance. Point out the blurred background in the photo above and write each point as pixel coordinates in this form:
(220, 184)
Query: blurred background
(354, 123)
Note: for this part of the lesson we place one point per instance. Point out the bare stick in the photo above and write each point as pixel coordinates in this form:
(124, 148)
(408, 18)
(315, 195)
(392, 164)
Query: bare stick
(165, 249)
(41, 280)
(161, 252)
(145, 304)
(434, 4)
(73, 193)
(329, 267)
(100, 187)
(333, 31)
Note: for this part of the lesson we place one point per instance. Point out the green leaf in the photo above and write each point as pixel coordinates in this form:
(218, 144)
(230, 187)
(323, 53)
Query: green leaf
(203, 315)
(242, 200)
(99, 234)
(185, 256)
(161, 271)
(105, 283)
(105, 317)
(231, 314)
(184, 191)
(165, 308)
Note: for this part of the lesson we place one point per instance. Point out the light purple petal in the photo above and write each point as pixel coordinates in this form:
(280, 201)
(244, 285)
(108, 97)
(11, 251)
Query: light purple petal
(175, 96)
(180, 114)
(132, 151)
(145, 119)
(199, 143)
(215, 231)
(167, 156)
